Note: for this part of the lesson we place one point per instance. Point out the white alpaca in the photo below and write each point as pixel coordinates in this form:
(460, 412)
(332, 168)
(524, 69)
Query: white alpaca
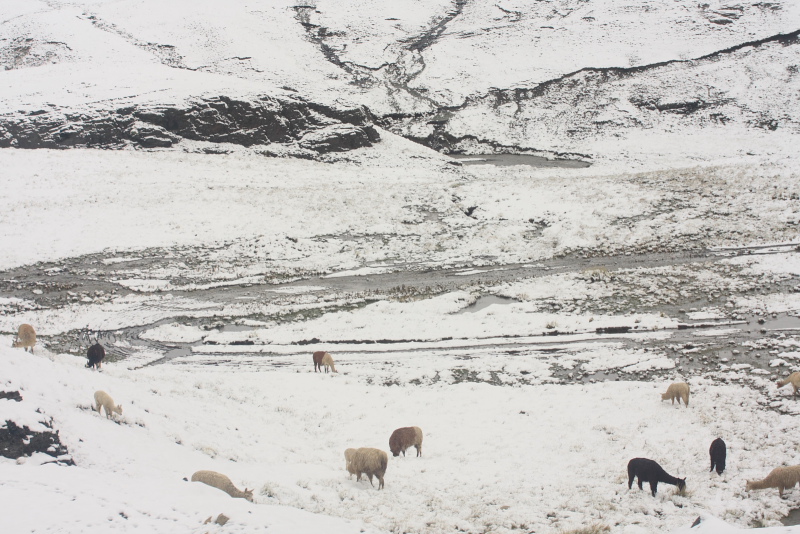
(104, 400)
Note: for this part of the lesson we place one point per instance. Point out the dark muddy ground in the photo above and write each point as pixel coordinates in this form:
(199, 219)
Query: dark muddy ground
(750, 342)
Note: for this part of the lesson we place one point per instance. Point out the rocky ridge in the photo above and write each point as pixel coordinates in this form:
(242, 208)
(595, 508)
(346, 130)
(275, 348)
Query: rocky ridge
(282, 125)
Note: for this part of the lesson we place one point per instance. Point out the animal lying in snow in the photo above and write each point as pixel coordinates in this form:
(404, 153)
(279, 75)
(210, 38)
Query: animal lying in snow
(677, 390)
(793, 379)
(780, 477)
(370, 462)
(317, 357)
(26, 338)
(718, 451)
(95, 355)
(220, 481)
(327, 361)
(104, 400)
(647, 470)
(405, 437)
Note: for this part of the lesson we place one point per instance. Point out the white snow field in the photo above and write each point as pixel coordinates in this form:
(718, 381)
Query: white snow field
(517, 438)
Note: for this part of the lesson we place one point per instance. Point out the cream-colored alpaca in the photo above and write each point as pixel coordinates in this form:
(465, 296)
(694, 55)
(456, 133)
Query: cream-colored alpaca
(104, 400)
(677, 390)
(793, 379)
(26, 337)
(780, 477)
(327, 361)
(221, 482)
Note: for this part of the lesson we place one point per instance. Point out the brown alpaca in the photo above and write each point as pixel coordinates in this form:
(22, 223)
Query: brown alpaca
(793, 379)
(677, 390)
(405, 437)
(317, 357)
(780, 477)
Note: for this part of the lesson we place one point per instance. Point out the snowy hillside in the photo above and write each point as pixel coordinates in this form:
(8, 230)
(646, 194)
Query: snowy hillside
(215, 190)
(555, 77)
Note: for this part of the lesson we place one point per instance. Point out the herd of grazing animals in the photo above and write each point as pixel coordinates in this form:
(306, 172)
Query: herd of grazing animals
(373, 462)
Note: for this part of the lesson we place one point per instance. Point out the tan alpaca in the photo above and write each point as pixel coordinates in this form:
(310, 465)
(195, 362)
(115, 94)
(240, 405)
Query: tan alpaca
(26, 337)
(793, 379)
(677, 390)
(370, 462)
(104, 400)
(221, 482)
(780, 477)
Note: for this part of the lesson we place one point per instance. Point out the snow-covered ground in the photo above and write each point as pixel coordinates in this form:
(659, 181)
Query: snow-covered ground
(494, 458)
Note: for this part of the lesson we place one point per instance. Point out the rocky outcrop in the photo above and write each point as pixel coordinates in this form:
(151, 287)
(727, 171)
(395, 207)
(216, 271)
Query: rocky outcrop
(262, 121)
(16, 442)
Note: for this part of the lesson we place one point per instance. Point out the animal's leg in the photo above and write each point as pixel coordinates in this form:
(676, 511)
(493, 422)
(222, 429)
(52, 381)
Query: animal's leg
(370, 480)
(380, 482)
(654, 487)
(419, 450)
(639, 481)
(630, 480)
(98, 409)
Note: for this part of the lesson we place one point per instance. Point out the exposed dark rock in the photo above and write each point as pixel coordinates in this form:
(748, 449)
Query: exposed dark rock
(11, 395)
(257, 122)
(16, 442)
(614, 330)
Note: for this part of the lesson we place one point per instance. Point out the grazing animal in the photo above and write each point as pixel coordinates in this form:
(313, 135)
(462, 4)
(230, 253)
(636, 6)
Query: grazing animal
(647, 470)
(317, 357)
(220, 481)
(95, 355)
(780, 477)
(677, 390)
(405, 437)
(718, 452)
(793, 379)
(104, 400)
(26, 338)
(370, 462)
(348, 458)
(327, 361)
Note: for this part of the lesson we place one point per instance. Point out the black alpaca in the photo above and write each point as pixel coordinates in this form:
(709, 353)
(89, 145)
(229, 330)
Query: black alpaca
(95, 355)
(718, 452)
(649, 471)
